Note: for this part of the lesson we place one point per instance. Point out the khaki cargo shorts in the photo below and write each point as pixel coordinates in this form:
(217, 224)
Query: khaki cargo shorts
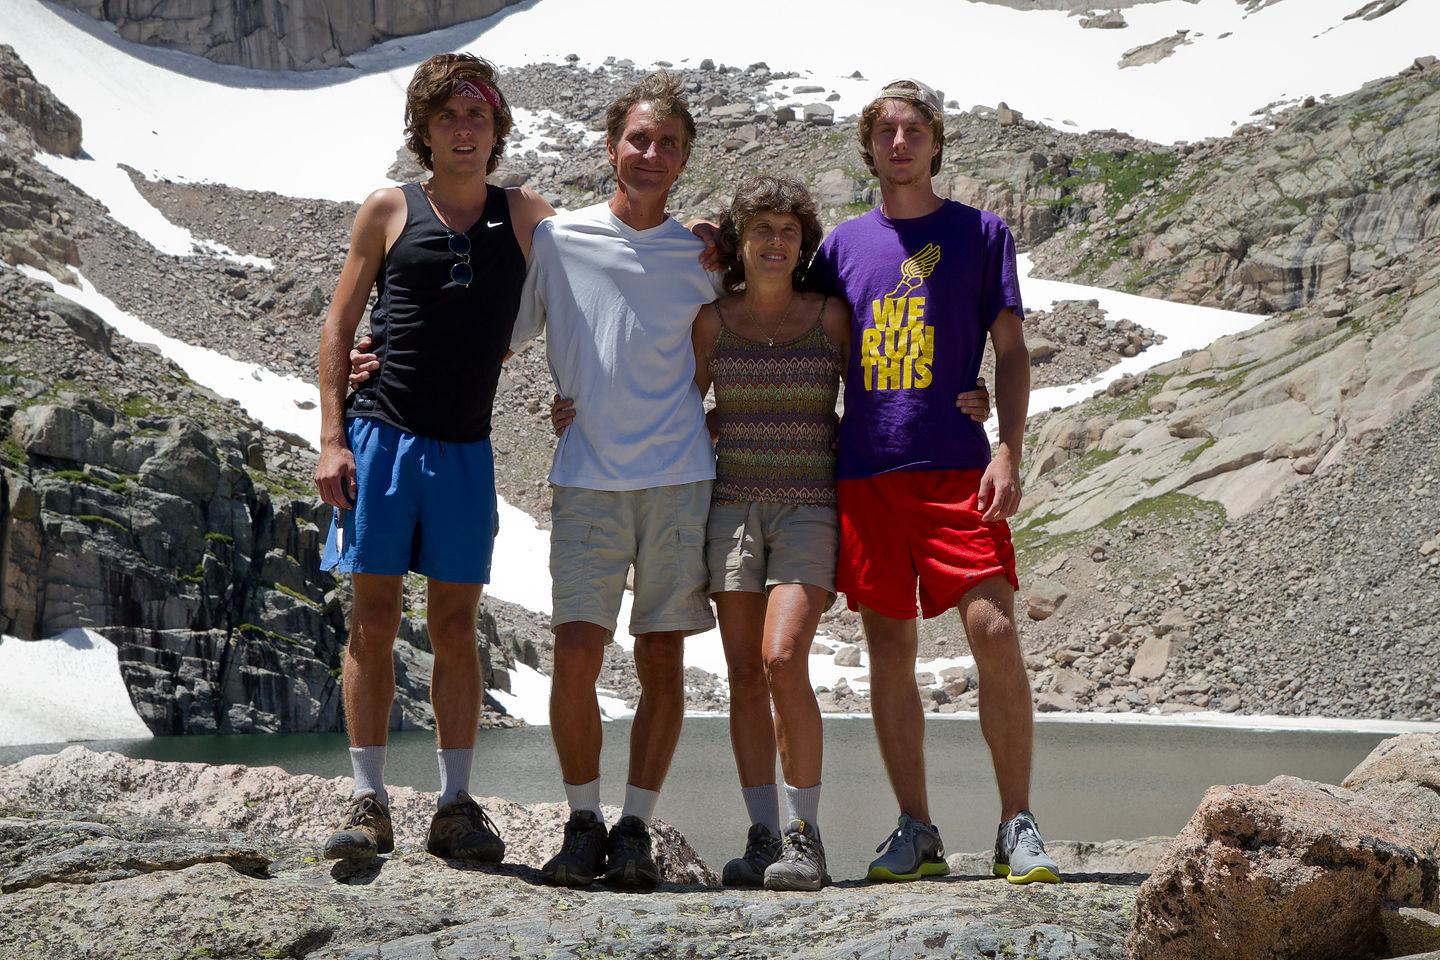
(597, 535)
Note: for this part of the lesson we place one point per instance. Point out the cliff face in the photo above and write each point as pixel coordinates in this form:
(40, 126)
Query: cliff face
(279, 34)
(184, 533)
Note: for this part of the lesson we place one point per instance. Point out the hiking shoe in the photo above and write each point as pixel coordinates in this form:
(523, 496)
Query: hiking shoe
(1020, 853)
(628, 862)
(365, 833)
(915, 851)
(802, 860)
(762, 848)
(582, 854)
(462, 831)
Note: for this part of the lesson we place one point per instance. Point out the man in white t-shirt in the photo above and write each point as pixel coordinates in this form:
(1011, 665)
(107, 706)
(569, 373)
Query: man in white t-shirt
(615, 288)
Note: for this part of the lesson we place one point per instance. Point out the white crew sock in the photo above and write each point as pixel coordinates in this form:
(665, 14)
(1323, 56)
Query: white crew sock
(585, 796)
(639, 802)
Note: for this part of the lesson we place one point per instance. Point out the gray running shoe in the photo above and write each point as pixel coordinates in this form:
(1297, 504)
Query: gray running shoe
(365, 833)
(802, 860)
(462, 831)
(582, 854)
(762, 848)
(1020, 853)
(914, 851)
(627, 855)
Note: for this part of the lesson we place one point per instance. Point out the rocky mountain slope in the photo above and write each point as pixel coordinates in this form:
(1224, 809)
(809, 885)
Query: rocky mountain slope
(1251, 527)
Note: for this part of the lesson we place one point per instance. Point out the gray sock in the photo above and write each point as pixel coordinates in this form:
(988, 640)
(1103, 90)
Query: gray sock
(804, 803)
(454, 774)
(762, 805)
(369, 766)
(639, 802)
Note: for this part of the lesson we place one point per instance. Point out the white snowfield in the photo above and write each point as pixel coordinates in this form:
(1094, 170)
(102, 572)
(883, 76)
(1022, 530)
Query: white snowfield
(68, 688)
(326, 133)
(314, 134)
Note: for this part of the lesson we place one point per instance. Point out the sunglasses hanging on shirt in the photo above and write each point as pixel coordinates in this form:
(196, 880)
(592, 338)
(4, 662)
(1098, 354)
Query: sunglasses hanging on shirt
(461, 272)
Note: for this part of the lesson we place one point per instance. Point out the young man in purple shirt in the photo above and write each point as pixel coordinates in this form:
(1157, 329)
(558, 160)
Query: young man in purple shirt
(922, 502)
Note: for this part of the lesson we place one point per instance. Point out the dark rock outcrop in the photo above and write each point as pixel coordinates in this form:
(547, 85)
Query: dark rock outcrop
(54, 126)
(275, 35)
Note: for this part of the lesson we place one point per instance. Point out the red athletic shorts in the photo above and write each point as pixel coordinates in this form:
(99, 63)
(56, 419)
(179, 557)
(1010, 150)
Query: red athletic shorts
(901, 527)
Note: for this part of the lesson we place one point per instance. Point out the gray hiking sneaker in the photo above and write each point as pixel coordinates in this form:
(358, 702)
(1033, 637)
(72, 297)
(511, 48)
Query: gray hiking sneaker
(762, 848)
(1020, 853)
(628, 862)
(462, 831)
(914, 851)
(582, 854)
(802, 860)
(365, 833)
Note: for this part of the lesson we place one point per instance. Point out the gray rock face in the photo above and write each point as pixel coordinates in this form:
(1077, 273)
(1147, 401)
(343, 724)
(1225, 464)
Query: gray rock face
(1279, 215)
(1152, 52)
(1292, 869)
(35, 227)
(54, 126)
(1403, 774)
(303, 35)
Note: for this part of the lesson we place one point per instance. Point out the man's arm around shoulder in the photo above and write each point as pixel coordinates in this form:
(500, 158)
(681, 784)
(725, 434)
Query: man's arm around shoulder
(527, 209)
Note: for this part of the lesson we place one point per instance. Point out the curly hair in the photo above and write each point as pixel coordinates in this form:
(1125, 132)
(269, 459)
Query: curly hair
(433, 84)
(666, 96)
(763, 194)
(871, 113)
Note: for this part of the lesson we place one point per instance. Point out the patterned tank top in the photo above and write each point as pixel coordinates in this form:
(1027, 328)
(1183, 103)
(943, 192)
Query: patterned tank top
(775, 408)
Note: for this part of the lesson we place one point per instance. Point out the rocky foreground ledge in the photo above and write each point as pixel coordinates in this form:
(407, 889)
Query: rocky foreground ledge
(105, 856)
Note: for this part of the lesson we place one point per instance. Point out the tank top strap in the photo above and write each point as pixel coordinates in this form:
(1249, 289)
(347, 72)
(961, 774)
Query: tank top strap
(416, 206)
(497, 205)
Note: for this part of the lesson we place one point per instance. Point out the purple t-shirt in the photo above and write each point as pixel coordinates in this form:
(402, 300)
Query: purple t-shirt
(923, 293)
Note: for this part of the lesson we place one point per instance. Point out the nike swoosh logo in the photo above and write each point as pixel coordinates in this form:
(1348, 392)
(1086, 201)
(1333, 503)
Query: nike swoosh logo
(496, 223)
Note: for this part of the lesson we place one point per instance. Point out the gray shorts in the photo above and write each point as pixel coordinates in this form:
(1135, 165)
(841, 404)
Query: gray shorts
(595, 537)
(754, 546)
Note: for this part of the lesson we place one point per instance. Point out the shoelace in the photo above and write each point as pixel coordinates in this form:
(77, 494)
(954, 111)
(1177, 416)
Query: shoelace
(903, 832)
(580, 840)
(361, 810)
(1024, 835)
(632, 842)
(758, 843)
(802, 844)
(477, 816)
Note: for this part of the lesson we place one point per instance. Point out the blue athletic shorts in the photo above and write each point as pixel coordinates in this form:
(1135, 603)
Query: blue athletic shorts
(423, 505)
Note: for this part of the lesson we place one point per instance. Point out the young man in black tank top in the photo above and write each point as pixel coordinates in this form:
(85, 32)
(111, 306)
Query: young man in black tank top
(435, 302)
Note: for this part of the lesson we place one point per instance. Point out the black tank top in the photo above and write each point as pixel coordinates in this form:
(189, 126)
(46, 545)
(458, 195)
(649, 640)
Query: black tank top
(440, 344)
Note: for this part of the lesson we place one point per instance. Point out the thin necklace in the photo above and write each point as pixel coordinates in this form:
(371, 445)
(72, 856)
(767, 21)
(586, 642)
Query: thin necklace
(784, 318)
(440, 212)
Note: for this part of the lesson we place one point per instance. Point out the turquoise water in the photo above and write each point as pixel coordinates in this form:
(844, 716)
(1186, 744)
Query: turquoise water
(1092, 781)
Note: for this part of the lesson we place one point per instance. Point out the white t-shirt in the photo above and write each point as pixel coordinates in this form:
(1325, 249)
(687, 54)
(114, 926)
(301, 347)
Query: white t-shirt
(617, 305)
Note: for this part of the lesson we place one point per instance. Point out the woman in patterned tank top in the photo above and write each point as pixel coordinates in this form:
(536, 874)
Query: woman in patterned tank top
(774, 355)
